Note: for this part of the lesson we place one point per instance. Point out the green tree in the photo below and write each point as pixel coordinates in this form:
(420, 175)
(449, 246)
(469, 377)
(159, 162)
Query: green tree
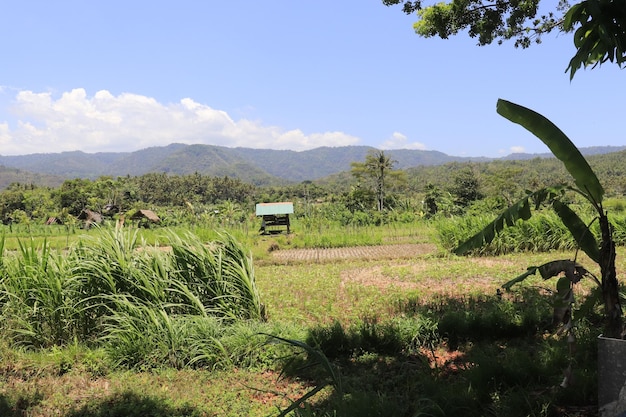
(466, 187)
(378, 167)
(359, 198)
(230, 213)
(504, 181)
(431, 199)
(74, 195)
(38, 203)
(598, 26)
(12, 199)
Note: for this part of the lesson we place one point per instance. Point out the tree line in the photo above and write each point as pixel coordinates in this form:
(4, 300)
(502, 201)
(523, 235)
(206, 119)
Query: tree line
(371, 192)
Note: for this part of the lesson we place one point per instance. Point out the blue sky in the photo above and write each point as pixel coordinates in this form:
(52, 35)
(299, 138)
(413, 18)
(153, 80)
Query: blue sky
(125, 75)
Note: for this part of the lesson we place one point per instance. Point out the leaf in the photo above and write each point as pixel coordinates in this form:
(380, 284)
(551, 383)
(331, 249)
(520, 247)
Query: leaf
(563, 300)
(317, 356)
(318, 359)
(572, 16)
(559, 144)
(563, 287)
(530, 271)
(300, 401)
(561, 314)
(519, 210)
(580, 231)
(573, 271)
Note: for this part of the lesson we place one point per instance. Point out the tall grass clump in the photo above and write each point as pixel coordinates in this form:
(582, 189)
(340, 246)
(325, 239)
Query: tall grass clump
(188, 275)
(542, 233)
(169, 305)
(39, 296)
(147, 305)
(220, 276)
(142, 337)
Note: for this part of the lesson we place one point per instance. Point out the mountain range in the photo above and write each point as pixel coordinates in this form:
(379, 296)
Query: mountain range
(257, 166)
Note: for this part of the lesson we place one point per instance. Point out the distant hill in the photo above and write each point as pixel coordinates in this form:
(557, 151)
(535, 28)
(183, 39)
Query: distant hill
(9, 176)
(256, 166)
(260, 166)
(324, 161)
(591, 150)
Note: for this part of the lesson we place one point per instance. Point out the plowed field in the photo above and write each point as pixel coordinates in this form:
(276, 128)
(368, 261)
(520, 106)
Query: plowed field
(360, 252)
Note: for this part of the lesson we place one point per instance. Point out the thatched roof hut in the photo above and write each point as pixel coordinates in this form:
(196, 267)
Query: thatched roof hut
(53, 220)
(145, 214)
(90, 217)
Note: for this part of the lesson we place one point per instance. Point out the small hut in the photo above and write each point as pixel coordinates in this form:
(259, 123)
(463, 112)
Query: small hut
(275, 217)
(90, 217)
(145, 217)
(53, 220)
(110, 210)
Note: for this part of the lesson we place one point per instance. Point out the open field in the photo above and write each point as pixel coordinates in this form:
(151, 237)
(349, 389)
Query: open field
(375, 294)
(358, 282)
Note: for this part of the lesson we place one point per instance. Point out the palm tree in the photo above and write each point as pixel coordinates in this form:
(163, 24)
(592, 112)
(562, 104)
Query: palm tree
(378, 167)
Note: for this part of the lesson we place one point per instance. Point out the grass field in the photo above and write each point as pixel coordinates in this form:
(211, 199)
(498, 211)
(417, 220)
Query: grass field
(409, 333)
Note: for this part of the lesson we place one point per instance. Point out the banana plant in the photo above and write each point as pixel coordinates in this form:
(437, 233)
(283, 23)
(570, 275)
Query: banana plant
(586, 184)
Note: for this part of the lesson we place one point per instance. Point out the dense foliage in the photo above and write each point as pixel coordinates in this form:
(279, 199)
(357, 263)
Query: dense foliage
(426, 191)
(599, 26)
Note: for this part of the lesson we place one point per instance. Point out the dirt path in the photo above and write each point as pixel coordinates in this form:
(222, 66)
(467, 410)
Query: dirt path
(361, 252)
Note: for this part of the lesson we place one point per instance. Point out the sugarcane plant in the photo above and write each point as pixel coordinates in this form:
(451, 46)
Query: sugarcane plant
(600, 247)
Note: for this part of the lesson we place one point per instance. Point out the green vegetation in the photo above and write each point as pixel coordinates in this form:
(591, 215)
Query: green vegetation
(378, 169)
(173, 318)
(105, 287)
(597, 25)
(193, 315)
(118, 326)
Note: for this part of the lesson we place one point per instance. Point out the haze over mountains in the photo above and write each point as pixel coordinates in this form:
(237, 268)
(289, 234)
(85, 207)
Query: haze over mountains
(257, 166)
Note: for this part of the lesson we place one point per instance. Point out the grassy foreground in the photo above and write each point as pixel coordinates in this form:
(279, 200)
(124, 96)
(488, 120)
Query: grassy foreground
(424, 335)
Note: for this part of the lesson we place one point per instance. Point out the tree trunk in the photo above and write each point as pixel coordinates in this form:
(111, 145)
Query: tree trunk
(381, 189)
(610, 286)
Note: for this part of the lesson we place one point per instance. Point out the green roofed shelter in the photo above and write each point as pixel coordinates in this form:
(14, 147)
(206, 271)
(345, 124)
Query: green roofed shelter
(275, 216)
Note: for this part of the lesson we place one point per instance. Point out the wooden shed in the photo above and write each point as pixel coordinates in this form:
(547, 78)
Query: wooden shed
(275, 217)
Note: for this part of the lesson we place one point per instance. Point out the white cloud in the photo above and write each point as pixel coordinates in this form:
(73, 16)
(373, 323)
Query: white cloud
(127, 122)
(511, 150)
(5, 135)
(400, 141)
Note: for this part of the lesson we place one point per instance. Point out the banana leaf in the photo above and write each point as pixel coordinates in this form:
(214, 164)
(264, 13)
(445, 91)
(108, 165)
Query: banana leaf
(560, 145)
(572, 270)
(519, 210)
(579, 230)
